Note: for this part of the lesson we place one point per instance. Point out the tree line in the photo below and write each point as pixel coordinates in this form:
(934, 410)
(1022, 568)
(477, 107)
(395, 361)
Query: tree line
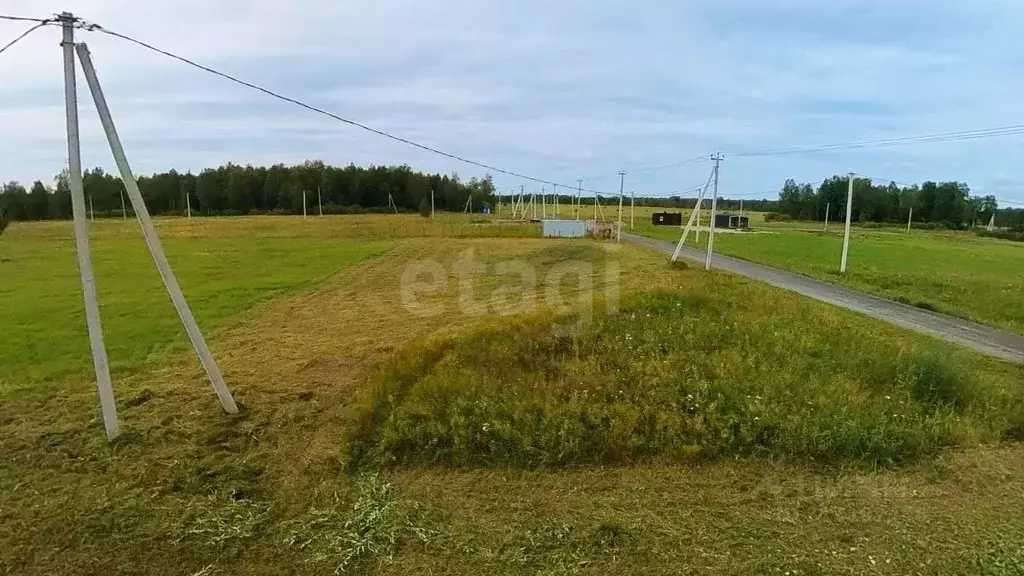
(946, 204)
(237, 190)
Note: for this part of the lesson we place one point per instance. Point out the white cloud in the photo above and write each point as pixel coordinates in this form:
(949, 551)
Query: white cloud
(553, 89)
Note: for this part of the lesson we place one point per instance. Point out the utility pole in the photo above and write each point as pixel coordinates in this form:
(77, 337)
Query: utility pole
(910, 219)
(579, 195)
(827, 205)
(188, 206)
(849, 216)
(741, 208)
(156, 250)
(543, 203)
(697, 208)
(303, 203)
(554, 192)
(92, 213)
(105, 389)
(431, 203)
(714, 206)
(319, 204)
(622, 186)
(632, 204)
(124, 213)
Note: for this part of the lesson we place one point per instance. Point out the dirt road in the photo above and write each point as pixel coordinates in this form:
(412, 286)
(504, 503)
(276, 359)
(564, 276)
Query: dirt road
(984, 339)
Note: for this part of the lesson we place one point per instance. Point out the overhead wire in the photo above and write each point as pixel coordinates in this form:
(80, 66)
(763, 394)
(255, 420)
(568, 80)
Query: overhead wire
(96, 27)
(653, 168)
(24, 19)
(888, 142)
(24, 34)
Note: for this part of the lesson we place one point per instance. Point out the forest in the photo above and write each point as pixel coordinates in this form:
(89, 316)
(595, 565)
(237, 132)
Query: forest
(944, 204)
(239, 190)
(236, 190)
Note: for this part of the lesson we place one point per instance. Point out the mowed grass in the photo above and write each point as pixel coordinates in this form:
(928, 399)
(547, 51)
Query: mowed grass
(44, 337)
(189, 490)
(956, 273)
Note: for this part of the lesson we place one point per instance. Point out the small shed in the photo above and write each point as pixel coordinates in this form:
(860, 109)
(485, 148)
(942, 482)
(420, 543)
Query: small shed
(667, 219)
(732, 221)
(563, 228)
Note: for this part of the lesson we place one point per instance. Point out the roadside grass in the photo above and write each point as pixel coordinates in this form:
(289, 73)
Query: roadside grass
(955, 273)
(189, 490)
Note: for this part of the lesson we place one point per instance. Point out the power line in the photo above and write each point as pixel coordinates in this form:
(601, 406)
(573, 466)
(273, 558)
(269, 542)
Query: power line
(23, 34)
(653, 168)
(888, 142)
(97, 27)
(25, 19)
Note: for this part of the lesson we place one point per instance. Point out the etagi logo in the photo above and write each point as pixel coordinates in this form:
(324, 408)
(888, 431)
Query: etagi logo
(566, 288)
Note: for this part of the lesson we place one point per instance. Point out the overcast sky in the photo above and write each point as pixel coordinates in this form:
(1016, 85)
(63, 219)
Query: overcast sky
(556, 89)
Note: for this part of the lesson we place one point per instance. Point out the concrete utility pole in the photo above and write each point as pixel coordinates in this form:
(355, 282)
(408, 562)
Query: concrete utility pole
(104, 388)
(319, 204)
(632, 204)
(714, 207)
(579, 194)
(622, 186)
(431, 203)
(849, 215)
(156, 250)
(827, 204)
(188, 206)
(124, 213)
(554, 192)
(303, 203)
(92, 213)
(910, 219)
(543, 202)
(741, 208)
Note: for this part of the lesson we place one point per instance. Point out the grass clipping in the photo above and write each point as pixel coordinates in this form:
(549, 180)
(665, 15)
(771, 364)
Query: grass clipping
(670, 377)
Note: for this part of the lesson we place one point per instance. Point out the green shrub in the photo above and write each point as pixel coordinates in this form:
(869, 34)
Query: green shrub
(424, 208)
(935, 382)
(1015, 236)
(777, 217)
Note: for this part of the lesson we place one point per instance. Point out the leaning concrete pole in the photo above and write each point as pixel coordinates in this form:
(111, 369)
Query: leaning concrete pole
(152, 240)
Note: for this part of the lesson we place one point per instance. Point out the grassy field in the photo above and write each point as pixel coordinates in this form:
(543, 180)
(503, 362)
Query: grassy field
(956, 273)
(712, 425)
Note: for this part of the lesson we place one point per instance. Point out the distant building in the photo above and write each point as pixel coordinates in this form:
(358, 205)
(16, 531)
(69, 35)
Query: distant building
(667, 219)
(732, 221)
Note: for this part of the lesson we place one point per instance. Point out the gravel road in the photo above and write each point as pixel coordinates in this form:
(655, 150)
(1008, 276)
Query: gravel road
(991, 341)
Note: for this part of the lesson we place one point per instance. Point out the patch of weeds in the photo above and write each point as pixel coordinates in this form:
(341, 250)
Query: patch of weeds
(998, 561)
(372, 529)
(678, 265)
(924, 305)
(670, 375)
(935, 382)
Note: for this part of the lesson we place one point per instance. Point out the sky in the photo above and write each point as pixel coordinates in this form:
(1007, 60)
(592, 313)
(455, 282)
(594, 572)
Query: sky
(556, 90)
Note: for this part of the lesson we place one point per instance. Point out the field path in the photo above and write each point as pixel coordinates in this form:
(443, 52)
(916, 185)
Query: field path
(991, 341)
